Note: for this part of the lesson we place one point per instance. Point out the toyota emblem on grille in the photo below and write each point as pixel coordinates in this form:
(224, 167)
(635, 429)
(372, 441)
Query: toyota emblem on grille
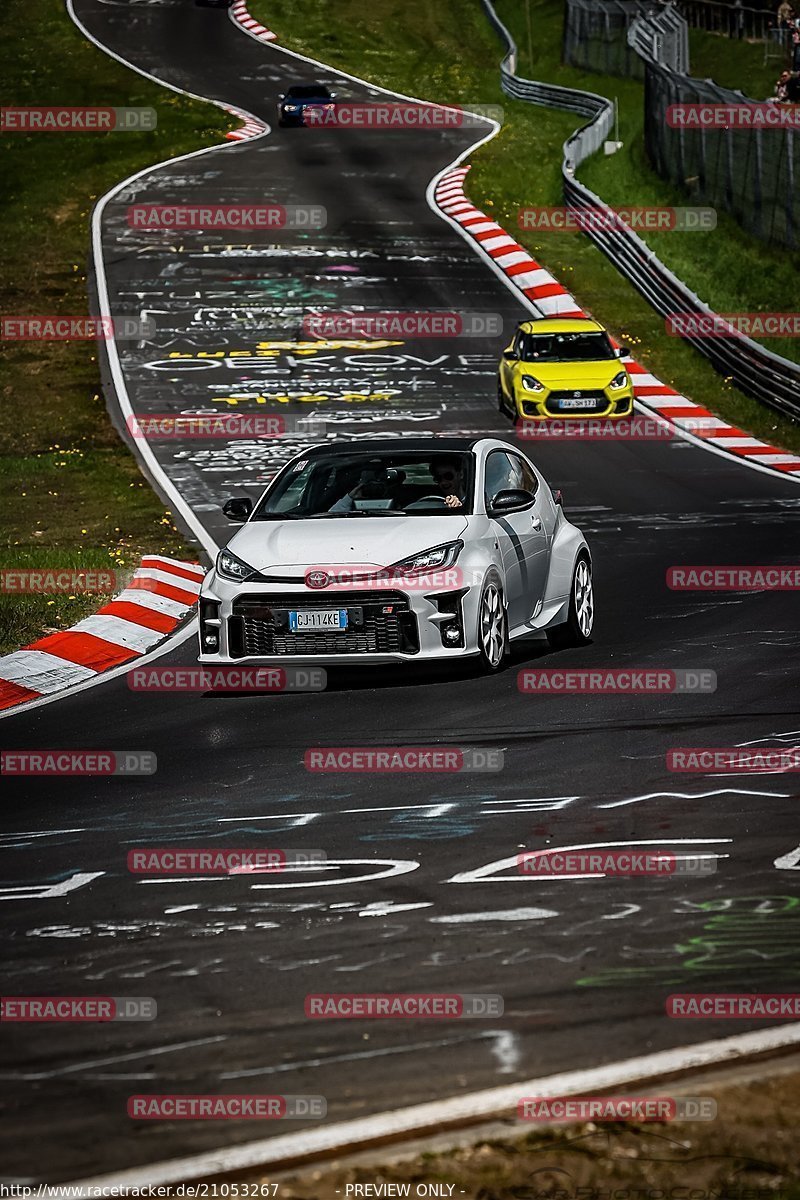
(317, 579)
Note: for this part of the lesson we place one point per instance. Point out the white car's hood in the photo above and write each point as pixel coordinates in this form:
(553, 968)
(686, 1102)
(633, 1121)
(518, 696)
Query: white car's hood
(278, 547)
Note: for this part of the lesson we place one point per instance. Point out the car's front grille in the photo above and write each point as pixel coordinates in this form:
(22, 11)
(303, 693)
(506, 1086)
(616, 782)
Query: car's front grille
(377, 623)
(580, 402)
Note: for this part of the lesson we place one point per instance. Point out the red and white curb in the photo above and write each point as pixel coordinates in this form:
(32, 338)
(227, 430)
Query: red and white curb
(242, 17)
(160, 595)
(252, 126)
(553, 300)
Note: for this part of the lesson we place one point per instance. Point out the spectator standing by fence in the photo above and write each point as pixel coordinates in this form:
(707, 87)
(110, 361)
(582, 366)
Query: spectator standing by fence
(796, 45)
(785, 15)
(781, 85)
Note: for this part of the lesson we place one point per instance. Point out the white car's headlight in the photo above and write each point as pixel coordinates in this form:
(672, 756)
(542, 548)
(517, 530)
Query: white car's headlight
(430, 560)
(231, 567)
(532, 384)
(619, 381)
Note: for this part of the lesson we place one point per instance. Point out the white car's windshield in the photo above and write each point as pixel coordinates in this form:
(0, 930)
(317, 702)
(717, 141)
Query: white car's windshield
(371, 485)
(565, 347)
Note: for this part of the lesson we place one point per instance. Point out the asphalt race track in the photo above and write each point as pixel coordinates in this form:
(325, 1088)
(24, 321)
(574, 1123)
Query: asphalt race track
(409, 901)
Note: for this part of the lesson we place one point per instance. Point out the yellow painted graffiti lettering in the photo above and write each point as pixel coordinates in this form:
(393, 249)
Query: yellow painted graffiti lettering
(323, 344)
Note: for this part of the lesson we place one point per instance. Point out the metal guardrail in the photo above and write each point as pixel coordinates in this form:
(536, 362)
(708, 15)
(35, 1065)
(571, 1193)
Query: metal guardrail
(758, 372)
(663, 37)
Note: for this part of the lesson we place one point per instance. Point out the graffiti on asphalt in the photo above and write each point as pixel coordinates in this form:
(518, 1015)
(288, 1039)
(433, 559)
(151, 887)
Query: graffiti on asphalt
(741, 935)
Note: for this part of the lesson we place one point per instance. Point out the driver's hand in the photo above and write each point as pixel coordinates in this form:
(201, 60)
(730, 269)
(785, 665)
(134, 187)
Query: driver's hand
(453, 502)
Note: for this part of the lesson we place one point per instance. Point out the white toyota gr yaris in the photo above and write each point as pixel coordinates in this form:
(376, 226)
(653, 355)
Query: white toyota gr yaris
(397, 550)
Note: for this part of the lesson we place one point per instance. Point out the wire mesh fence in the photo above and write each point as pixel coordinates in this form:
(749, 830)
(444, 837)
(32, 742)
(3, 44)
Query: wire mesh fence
(731, 20)
(596, 36)
(751, 173)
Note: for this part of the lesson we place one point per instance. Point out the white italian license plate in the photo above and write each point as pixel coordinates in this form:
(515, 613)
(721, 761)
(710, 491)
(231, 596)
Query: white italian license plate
(318, 619)
(578, 402)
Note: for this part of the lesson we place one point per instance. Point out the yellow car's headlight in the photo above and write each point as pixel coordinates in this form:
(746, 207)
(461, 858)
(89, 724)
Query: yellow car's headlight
(532, 384)
(619, 381)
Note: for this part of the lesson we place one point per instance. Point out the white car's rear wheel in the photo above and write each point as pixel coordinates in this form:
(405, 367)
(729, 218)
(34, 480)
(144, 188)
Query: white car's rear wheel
(577, 630)
(492, 627)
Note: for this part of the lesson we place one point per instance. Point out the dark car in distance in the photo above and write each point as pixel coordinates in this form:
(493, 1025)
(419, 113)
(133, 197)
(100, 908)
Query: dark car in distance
(293, 103)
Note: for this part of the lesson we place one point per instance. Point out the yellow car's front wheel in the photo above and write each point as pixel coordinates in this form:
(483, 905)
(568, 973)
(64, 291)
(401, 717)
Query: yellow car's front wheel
(503, 405)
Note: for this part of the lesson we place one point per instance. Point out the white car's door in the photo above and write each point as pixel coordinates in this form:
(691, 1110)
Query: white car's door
(523, 536)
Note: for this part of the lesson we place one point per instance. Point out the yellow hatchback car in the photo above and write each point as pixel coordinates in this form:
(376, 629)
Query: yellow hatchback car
(563, 368)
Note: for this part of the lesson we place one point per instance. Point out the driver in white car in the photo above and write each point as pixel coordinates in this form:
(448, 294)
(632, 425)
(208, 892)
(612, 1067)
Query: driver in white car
(387, 484)
(448, 478)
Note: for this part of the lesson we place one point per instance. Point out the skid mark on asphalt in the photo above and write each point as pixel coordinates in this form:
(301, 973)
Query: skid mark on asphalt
(91, 1064)
(378, 1052)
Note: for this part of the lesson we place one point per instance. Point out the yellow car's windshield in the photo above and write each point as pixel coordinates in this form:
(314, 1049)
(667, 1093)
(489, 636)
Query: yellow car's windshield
(565, 347)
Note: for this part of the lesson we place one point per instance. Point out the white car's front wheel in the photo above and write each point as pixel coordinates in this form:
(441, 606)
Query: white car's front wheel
(492, 627)
(577, 629)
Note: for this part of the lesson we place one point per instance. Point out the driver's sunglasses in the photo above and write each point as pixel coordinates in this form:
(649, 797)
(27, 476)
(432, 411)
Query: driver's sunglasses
(445, 473)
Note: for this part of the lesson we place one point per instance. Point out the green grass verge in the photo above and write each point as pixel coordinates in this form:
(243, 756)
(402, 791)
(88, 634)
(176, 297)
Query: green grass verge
(449, 52)
(70, 491)
(734, 64)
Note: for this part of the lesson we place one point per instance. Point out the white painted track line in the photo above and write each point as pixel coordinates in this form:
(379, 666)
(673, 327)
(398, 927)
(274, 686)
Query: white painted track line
(329, 1141)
